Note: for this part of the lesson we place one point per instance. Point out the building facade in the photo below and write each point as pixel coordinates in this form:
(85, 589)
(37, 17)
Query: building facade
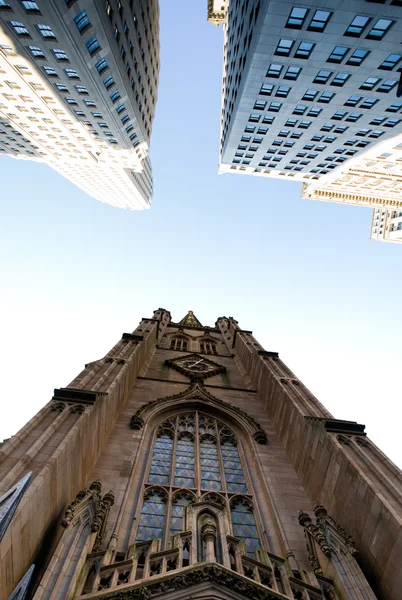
(78, 88)
(191, 462)
(309, 88)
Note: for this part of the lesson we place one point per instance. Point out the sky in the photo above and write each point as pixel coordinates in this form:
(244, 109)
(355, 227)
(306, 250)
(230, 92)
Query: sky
(302, 274)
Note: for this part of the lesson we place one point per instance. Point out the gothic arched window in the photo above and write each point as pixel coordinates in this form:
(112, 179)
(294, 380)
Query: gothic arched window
(178, 343)
(195, 456)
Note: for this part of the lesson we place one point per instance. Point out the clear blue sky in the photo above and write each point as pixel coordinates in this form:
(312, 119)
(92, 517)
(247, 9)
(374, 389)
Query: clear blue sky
(303, 275)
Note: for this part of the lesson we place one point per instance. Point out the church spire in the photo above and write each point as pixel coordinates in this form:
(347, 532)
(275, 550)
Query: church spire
(190, 320)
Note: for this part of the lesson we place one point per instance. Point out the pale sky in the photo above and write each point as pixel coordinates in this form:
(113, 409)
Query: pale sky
(302, 274)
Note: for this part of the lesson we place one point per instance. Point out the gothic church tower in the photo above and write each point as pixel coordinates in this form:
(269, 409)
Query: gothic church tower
(191, 462)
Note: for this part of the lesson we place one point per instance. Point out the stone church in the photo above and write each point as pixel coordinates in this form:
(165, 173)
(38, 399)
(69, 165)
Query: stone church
(190, 462)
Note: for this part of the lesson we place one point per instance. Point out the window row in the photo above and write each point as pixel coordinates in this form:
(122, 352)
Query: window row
(181, 343)
(321, 18)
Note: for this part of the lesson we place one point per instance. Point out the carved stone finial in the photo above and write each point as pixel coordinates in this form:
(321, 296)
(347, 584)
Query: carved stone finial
(260, 437)
(96, 486)
(319, 511)
(304, 518)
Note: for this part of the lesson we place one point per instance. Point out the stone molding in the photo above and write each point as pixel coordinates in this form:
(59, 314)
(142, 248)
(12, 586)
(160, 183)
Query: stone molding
(77, 395)
(194, 575)
(196, 391)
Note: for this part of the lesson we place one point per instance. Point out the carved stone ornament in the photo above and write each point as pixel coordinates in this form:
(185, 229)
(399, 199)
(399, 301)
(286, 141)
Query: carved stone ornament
(181, 580)
(195, 366)
(196, 391)
(319, 532)
(101, 510)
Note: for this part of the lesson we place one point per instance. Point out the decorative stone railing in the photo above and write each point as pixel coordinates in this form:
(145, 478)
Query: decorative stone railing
(146, 565)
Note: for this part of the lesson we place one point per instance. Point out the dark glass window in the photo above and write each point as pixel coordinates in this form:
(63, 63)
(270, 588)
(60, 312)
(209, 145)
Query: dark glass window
(338, 54)
(322, 76)
(266, 89)
(369, 83)
(296, 18)
(390, 62)
(357, 57)
(304, 50)
(92, 45)
(387, 86)
(82, 21)
(379, 29)
(274, 70)
(340, 79)
(357, 26)
(284, 47)
(292, 73)
(320, 20)
(101, 65)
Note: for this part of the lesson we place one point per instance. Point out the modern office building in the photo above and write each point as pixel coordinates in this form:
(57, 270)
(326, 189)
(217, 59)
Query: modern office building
(188, 463)
(78, 88)
(386, 225)
(307, 87)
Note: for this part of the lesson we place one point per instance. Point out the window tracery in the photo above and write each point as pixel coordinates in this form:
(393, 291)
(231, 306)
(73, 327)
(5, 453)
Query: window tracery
(178, 343)
(208, 347)
(195, 456)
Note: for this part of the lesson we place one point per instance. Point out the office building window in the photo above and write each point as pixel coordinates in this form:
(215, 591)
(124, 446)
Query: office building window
(369, 83)
(60, 54)
(36, 52)
(296, 18)
(274, 70)
(92, 45)
(82, 21)
(304, 50)
(46, 31)
(379, 29)
(310, 95)
(283, 91)
(292, 73)
(108, 82)
(353, 100)
(266, 89)
(284, 47)
(71, 73)
(390, 62)
(19, 28)
(387, 86)
(357, 57)
(320, 20)
(340, 79)
(322, 76)
(338, 54)
(326, 97)
(357, 26)
(369, 102)
(300, 109)
(115, 96)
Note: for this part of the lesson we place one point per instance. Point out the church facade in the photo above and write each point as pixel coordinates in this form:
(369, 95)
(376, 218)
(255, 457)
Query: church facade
(190, 462)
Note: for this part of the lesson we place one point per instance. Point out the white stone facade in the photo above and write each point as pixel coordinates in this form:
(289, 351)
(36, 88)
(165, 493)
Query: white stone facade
(78, 87)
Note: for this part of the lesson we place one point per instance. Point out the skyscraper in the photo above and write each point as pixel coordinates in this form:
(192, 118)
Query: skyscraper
(307, 88)
(186, 463)
(78, 88)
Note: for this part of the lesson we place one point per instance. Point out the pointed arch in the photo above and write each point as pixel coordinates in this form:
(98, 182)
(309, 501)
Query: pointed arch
(197, 397)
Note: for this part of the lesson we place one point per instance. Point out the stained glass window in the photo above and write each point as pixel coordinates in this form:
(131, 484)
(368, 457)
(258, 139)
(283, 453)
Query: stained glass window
(152, 519)
(184, 466)
(177, 474)
(244, 527)
(161, 460)
(177, 513)
(233, 470)
(210, 472)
